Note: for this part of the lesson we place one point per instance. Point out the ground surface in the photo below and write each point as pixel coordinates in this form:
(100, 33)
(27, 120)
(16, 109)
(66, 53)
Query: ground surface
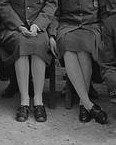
(61, 128)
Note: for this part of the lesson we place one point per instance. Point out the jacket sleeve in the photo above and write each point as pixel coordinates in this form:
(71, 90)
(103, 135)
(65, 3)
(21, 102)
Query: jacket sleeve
(46, 15)
(53, 27)
(8, 16)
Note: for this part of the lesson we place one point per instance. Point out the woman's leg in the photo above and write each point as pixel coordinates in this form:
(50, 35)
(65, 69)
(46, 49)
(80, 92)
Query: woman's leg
(38, 74)
(22, 74)
(76, 76)
(75, 72)
(86, 67)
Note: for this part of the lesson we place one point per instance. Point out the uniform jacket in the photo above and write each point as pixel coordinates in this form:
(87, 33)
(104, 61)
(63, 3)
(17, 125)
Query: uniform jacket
(77, 14)
(108, 5)
(108, 8)
(73, 14)
(15, 13)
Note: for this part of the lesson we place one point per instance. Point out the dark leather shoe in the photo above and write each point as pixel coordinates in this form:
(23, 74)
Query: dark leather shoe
(40, 113)
(22, 113)
(84, 115)
(98, 114)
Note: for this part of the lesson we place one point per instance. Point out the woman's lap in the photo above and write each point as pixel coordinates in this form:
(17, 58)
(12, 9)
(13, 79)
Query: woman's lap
(77, 41)
(14, 41)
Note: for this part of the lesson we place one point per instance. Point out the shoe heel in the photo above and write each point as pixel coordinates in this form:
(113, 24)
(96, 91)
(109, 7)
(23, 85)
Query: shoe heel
(98, 115)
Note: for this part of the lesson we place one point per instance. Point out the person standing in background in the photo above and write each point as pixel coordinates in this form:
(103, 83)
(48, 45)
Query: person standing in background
(107, 53)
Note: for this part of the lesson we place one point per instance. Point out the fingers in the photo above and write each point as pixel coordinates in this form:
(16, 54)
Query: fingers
(54, 52)
(25, 31)
(34, 29)
(28, 33)
(54, 49)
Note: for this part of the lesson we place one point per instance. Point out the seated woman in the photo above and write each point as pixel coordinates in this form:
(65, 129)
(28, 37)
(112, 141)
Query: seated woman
(23, 34)
(77, 39)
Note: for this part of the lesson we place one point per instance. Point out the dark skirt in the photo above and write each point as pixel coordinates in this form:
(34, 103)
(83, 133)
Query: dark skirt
(79, 40)
(14, 45)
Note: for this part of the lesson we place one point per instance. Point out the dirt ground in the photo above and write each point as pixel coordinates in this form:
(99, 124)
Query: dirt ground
(61, 128)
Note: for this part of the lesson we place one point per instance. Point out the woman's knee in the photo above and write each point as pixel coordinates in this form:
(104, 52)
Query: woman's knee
(84, 55)
(35, 59)
(22, 59)
(69, 54)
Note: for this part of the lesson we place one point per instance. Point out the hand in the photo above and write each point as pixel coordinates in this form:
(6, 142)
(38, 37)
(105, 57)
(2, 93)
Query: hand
(34, 29)
(25, 31)
(53, 46)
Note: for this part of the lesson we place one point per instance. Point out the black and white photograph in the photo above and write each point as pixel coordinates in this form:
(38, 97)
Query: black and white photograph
(57, 72)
